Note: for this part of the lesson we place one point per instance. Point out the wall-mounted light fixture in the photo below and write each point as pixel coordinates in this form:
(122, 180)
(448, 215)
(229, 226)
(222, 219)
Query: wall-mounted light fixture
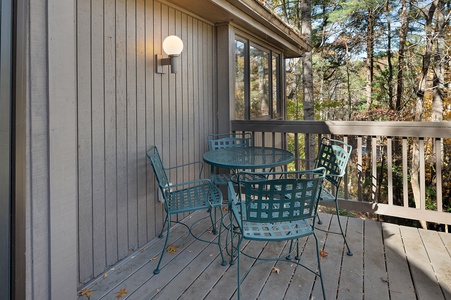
(172, 46)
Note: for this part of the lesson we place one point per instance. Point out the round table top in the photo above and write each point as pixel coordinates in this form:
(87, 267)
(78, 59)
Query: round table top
(248, 157)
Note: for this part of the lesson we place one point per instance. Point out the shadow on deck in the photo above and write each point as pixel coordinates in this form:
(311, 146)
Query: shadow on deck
(389, 262)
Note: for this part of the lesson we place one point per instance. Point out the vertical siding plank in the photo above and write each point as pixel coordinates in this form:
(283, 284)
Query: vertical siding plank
(196, 104)
(141, 121)
(179, 101)
(121, 128)
(110, 132)
(62, 138)
(190, 104)
(158, 106)
(85, 225)
(98, 139)
(184, 88)
(211, 95)
(171, 98)
(150, 116)
(37, 111)
(132, 205)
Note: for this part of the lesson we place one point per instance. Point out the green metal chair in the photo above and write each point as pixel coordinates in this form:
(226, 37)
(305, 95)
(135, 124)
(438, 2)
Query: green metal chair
(282, 207)
(186, 197)
(228, 140)
(334, 156)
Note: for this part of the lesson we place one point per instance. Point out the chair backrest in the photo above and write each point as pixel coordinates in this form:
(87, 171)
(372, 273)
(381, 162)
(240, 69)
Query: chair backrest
(229, 140)
(294, 196)
(333, 156)
(157, 166)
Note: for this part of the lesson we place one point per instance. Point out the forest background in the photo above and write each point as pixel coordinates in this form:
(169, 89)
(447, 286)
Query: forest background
(374, 60)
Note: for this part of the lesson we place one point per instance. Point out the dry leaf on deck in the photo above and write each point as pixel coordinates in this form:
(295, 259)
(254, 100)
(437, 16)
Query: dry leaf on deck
(86, 292)
(275, 270)
(121, 293)
(323, 253)
(105, 276)
(171, 248)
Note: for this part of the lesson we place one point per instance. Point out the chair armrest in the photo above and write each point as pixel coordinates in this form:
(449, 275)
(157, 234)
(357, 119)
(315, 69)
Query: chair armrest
(201, 164)
(183, 185)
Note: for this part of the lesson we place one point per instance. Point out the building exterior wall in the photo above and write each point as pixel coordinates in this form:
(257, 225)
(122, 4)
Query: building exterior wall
(45, 150)
(88, 104)
(124, 107)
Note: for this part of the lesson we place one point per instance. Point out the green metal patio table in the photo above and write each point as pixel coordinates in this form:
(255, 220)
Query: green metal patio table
(248, 158)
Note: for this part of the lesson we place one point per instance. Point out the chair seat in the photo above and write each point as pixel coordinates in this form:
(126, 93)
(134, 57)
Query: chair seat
(223, 179)
(276, 231)
(272, 231)
(197, 197)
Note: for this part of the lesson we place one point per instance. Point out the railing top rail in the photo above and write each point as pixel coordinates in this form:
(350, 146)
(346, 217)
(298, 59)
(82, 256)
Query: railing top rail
(368, 128)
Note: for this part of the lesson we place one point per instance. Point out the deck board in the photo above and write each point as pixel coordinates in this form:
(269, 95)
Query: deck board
(438, 257)
(351, 279)
(399, 278)
(375, 284)
(423, 275)
(389, 262)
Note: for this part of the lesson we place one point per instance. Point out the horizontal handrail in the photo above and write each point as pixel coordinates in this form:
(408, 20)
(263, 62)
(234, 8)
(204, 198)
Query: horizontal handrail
(378, 177)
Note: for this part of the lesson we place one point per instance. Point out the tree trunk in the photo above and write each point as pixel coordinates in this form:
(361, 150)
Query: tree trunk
(307, 75)
(389, 56)
(369, 59)
(401, 52)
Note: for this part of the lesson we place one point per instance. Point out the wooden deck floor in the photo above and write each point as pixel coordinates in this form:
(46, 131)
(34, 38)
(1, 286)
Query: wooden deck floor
(389, 262)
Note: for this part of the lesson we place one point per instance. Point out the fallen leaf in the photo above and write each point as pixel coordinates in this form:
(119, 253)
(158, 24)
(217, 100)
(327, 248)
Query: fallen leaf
(121, 293)
(86, 292)
(105, 276)
(323, 253)
(225, 209)
(154, 258)
(171, 248)
(275, 270)
(142, 250)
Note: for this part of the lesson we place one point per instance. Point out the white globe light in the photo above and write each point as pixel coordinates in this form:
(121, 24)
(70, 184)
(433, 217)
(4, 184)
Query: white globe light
(172, 45)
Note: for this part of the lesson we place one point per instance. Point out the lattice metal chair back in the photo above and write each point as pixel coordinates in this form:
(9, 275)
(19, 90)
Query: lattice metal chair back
(334, 157)
(188, 196)
(227, 140)
(280, 208)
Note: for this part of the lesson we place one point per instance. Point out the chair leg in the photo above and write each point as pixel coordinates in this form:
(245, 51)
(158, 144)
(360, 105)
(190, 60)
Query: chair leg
(320, 274)
(297, 257)
(213, 219)
(238, 268)
(349, 253)
(319, 220)
(168, 220)
(231, 230)
(223, 261)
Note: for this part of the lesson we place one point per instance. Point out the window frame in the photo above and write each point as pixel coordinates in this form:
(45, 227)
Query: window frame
(248, 41)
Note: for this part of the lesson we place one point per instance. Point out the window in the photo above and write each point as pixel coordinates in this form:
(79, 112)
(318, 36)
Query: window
(257, 81)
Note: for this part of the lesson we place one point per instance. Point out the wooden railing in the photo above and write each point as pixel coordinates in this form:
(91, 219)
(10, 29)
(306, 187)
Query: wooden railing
(379, 172)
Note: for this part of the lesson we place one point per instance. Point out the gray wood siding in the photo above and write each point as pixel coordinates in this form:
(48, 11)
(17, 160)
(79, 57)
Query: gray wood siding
(124, 107)
(45, 150)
